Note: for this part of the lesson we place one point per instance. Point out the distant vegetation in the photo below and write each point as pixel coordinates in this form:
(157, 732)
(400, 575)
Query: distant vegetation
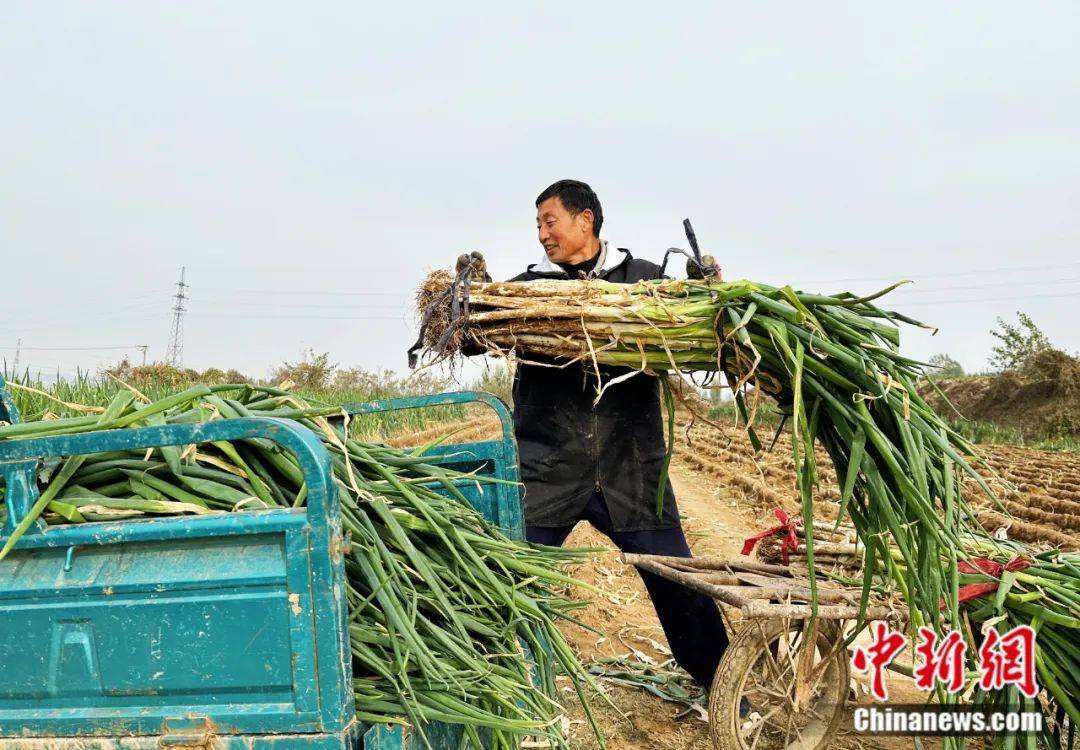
(1032, 397)
(313, 376)
(989, 432)
(947, 367)
(1018, 344)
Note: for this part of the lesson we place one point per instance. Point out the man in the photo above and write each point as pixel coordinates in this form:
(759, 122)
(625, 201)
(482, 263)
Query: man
(601, 463)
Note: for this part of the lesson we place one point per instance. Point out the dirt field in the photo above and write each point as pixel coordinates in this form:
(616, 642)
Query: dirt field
(725, 496)
(1042, 494)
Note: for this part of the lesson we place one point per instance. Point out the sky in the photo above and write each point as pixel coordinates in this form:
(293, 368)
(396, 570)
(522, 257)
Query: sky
(309, 163)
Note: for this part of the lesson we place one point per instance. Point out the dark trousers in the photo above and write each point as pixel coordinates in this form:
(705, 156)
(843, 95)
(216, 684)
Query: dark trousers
(691, 621)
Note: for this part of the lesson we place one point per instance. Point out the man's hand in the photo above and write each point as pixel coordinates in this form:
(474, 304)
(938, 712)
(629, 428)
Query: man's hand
(476, 264)
(707, 270)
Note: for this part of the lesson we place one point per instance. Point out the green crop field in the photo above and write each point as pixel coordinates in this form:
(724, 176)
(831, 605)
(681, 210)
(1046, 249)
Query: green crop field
(37, 399)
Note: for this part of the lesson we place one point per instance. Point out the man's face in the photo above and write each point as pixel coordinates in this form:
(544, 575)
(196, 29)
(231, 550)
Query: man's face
(562, 234)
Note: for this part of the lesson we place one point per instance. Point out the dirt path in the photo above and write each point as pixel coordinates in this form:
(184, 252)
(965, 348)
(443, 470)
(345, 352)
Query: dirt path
(626, 615)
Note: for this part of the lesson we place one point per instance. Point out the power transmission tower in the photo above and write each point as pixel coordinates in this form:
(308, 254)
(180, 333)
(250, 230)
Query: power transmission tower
(175, 353)
(143, 348)
(18, 349)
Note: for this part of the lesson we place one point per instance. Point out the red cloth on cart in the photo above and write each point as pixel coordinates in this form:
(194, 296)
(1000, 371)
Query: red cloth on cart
(790, 542)
(987, 567)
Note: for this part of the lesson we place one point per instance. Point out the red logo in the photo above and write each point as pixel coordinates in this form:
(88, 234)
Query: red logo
(1003, 659)
(942, 662)
(1009, 660)
(886, 644)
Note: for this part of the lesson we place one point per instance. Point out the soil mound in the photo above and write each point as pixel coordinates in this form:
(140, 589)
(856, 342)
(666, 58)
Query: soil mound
(1040, 400)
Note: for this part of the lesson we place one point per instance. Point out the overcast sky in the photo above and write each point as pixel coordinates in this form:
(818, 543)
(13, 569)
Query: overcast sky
(308, 162)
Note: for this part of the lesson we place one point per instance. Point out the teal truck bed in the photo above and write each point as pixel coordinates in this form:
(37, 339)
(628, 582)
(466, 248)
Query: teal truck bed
(222, 632)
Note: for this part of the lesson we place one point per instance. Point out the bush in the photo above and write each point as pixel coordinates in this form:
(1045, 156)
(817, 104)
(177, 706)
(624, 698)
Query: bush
(156, 372)
(497, 379)
(1019, 343)
(387, 383)
(167, 376)
(1055, 367)
(312, 372)
(947, 367)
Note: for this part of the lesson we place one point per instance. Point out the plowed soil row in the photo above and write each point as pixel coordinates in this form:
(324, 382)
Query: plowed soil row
(767, 481)
(1028, 532)
(466, 431)
(1040, 489)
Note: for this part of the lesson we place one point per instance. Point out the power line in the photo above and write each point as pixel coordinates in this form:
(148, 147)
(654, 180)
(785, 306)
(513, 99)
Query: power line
(950, 274)
(341, 308)
(1000, 285)
(925, 303)
(895, 277)
(325, 292)
(71, 348)
(296, 317)
(240, 305)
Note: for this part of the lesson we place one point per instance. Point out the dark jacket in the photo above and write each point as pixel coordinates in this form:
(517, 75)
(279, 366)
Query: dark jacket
(569, 447)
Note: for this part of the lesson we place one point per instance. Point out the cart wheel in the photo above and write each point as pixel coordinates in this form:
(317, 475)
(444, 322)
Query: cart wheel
(760, 667)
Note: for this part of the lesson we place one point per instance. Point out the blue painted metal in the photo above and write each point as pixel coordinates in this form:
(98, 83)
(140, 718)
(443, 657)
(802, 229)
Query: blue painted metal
(176, 629)
(172, 631)
(8, 412)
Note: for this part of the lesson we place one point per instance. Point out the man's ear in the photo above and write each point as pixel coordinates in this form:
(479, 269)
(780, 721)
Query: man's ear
(588, 217)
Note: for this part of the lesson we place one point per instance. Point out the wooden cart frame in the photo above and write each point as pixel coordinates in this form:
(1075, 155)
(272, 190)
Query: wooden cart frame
(783, 681)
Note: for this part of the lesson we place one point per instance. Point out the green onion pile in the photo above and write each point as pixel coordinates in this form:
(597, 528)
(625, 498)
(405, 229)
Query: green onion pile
(833, 364)
(440, 601)
(1045, 596)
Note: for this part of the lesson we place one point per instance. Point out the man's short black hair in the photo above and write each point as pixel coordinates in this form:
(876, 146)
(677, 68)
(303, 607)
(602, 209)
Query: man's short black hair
(575, 196)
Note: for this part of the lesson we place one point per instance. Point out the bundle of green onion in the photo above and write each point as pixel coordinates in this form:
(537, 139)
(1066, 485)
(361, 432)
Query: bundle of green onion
(425, 570)
(833, 364)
